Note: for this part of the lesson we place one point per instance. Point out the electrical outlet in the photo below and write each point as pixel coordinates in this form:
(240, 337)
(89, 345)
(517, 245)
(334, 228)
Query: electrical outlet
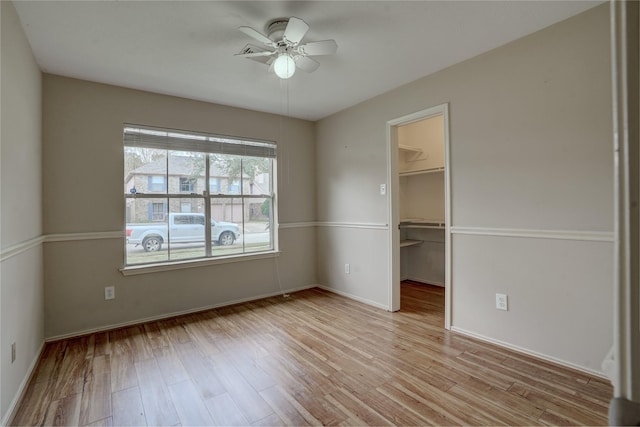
(383, 189)
(347, 269)
(109, 292)
(501, 302)
(13, 352)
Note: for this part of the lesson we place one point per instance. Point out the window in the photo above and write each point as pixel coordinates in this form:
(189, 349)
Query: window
(187, 185)
(157, 184)
(170, 217)
(156, 211)
(214, 185)
(234, 187)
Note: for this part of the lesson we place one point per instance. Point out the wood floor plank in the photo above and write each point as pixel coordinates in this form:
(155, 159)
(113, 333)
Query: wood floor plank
(170, 365)
(156, 398)
(156, 338)
(288, 409)
(123, 371)
(200, 369)
(105, 422)
(357, 409)
(33, 408)
(319, 407)
(127, 408)
(96, 396)
(203, 336)
(140, 343)
(64, 412)
(560, 392)
(49, 364)
(102, 344)
(425, 409)
(174, 331)
(312, 358)
(190, 407)
(490, 409)
(251, 404)
(252, 372)
(224, 411)
(269, 421)
(70, 376)
(383, 405)
(572, 411)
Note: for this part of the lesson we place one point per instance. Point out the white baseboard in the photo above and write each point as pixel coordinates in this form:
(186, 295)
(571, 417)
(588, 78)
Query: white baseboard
(528, 352)
(172, 314)
(13, 406)
(354, 297)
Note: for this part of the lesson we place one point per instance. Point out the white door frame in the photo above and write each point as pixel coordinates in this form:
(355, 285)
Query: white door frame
(393, 208)
(625, 375)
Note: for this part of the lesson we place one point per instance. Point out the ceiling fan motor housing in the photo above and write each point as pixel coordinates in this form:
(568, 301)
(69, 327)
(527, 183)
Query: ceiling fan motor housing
(275, 28)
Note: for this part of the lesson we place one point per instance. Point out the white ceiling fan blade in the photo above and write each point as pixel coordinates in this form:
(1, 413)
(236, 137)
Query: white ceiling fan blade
(306, 64)
(324, 47)
(295, 31)
(254, 54)
(258, 36)
(250, 51)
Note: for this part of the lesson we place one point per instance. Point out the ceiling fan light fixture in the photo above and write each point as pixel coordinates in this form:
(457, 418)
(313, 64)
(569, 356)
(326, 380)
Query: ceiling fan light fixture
(284, 66)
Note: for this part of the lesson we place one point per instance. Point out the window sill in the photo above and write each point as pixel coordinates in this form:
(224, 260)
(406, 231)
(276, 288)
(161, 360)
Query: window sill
(180, 265)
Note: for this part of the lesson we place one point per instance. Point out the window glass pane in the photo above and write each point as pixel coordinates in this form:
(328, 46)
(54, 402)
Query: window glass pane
(258, 230)
(215, 185)
(186, 230)
(226, 230)
(256, 176)
(227, 169)
(145, 170)
(234, 186)
(186, 172)
(146, 230)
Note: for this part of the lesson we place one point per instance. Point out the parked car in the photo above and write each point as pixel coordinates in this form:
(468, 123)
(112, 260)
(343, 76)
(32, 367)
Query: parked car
(182, 228)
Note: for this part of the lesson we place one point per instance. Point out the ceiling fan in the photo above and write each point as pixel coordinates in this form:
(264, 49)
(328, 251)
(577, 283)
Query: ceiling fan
(283, 52)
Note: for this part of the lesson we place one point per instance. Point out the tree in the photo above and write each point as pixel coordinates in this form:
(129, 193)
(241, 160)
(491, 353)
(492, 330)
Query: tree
(237, 167)
(134, 157)
(266, 208)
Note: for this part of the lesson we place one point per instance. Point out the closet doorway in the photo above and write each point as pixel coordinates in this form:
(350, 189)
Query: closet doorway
(419, 203)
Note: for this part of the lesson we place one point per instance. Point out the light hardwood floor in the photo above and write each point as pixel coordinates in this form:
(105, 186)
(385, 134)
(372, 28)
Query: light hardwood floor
(313, 358)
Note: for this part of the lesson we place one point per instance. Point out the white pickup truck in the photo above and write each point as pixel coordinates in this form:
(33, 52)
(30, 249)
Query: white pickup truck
(183, 228)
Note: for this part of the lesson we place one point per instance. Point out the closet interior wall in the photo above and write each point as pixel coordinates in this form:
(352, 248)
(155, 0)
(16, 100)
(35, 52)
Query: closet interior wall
(421, 174)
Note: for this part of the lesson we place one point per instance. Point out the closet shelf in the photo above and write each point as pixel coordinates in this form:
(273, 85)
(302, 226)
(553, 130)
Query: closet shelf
(410, 148)
(409, 242)
(421, 171)
(422, 223)
(411, 153)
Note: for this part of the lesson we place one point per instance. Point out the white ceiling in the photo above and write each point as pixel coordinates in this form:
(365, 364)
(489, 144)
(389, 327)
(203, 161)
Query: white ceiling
(187, 48)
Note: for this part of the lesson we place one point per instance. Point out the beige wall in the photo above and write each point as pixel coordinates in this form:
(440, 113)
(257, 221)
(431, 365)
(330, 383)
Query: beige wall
(21, 289)
(530, 135)
(83, 169)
